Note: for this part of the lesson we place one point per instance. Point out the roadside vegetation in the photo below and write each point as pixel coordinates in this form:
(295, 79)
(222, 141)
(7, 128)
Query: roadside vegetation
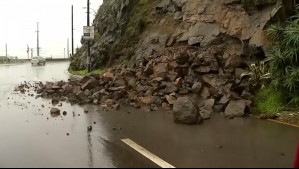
(281, 67)
(269, 101)
(85, 72)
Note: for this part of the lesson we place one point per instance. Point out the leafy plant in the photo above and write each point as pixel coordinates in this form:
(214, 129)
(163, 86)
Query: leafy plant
(283, 58)
(275, 31)
(258, 75)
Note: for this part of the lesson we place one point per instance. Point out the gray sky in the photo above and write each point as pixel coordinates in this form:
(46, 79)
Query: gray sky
(19, 17)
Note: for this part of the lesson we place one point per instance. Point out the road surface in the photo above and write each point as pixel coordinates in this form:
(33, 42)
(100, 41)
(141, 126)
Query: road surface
(30, 137)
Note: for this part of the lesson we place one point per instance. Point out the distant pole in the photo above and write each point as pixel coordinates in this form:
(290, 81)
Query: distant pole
(64, 53)
(88, 42)
(68, 48)
(37, 48)
(72, 30)
(28, 51)
(6, 50)
(31, 53)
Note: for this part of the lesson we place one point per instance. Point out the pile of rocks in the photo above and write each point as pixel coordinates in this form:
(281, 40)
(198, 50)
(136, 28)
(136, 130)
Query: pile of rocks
(191, 82)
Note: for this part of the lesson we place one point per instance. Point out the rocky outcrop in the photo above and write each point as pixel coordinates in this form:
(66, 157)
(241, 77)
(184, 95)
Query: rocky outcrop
(136, 29)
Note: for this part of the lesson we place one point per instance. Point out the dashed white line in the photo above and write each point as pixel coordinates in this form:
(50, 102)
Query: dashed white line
(147, 154)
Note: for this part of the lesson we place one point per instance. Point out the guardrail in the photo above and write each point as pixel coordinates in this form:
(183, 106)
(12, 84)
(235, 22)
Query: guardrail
(8, 61)
(58, 59)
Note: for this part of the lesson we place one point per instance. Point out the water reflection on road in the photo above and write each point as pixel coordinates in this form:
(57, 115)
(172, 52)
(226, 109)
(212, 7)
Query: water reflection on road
(30, 137)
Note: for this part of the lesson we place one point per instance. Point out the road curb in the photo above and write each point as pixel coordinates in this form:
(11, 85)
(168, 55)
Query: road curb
(280, 122)
(72, 75)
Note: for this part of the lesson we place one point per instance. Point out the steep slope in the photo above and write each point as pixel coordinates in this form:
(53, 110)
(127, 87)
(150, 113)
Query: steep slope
(184, 55)
(135, 28)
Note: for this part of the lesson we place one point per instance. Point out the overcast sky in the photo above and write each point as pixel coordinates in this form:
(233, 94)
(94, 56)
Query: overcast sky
(19, 17)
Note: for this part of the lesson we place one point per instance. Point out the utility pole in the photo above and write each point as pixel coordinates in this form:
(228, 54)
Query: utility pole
(6, 50)
(37, 48)
(31, 53)
(68, 48)
(72, 30)
(64, 53)
(88, 42)
(28, 51)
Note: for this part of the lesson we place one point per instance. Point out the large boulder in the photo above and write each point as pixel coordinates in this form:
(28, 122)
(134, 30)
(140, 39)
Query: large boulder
(185, 112)
(235, 108)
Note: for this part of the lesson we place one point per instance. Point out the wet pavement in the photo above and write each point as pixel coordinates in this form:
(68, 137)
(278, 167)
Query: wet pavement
(30, 137)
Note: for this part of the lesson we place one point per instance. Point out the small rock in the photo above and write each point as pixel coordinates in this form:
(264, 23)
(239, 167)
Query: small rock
(197, 87)
(166, 106)
(104, 106)
(64, 113)
(116, 106)
(67, 134)
(89, 128)
(55, 112)
(147, 100)
(205, 94)
(94, 122)
(153, 107)
(219, 147)
(109, 102)
(55, 100)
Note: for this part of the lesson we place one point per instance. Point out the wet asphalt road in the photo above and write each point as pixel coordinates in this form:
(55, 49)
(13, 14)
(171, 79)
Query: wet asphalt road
(30, 137)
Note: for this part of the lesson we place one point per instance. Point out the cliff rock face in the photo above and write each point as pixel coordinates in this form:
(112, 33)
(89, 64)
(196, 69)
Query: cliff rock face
(132, 29)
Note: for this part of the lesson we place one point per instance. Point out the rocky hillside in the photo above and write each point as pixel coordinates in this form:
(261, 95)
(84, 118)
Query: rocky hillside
(136, 29)
(185, 55)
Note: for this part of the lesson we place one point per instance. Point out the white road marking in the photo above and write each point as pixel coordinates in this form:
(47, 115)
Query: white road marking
(147, 154)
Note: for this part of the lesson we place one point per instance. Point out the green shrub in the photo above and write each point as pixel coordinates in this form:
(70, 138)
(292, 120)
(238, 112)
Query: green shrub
(283, 58)
(269, 100)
